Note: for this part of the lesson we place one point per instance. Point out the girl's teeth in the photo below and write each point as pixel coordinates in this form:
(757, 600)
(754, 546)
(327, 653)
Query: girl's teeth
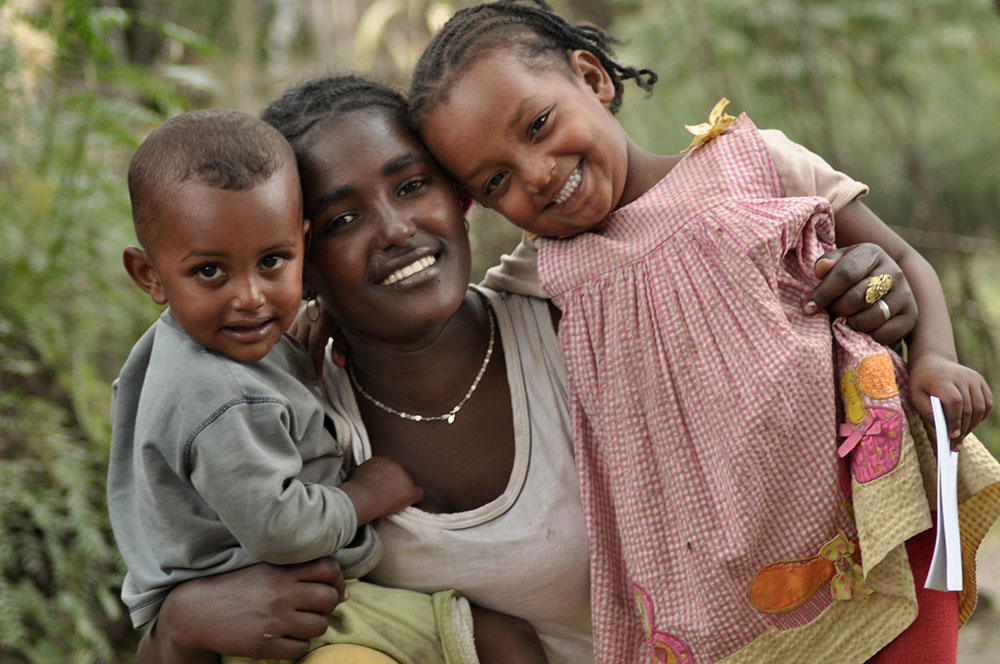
(569, 188)
(412, 268)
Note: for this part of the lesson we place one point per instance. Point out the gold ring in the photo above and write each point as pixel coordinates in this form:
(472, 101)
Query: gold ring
(878, 286)
(268, 636)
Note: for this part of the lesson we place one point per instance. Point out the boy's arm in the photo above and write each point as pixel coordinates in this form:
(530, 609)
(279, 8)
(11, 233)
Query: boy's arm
(932, 359)
(247, 467)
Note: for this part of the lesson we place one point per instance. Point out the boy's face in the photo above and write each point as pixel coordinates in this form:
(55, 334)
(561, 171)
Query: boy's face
(536, 144)
(229, 262)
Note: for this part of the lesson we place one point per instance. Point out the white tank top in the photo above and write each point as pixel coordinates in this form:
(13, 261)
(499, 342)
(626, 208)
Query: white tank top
(525, 552)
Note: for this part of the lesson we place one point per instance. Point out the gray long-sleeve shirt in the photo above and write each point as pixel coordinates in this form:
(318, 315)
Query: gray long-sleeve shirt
(217, 464)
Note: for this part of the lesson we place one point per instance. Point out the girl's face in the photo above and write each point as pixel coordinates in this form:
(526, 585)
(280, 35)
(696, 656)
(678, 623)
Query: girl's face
(534, 143)
(390, 254)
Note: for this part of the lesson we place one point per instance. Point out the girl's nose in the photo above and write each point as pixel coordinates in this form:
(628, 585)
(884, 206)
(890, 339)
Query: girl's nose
(537, 175)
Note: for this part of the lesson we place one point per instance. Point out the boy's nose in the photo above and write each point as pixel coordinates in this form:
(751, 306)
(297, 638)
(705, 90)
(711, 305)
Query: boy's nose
(249, 295)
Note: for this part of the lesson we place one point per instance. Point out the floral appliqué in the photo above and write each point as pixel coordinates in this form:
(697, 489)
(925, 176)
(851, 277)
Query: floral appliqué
(718, 122)
(874, 444)
(786, 585)
(848, 578)
(661, 648)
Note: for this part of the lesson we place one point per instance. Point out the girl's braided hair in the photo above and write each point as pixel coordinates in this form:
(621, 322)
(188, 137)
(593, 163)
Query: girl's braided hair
(301, 108)
(534, 30)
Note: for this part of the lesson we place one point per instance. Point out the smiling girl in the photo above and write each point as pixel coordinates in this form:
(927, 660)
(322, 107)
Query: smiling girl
(705, 412)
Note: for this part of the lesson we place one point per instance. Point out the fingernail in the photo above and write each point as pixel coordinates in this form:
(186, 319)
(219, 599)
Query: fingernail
(955, 433)
(809, 307)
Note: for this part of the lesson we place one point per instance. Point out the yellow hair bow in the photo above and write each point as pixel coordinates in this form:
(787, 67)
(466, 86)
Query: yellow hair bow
(717, 123)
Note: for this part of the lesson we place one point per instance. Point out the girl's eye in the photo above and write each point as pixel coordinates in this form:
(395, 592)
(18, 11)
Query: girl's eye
(538, 124)
(209, 273)
(273, 262)
(411, 187)
(493, 183)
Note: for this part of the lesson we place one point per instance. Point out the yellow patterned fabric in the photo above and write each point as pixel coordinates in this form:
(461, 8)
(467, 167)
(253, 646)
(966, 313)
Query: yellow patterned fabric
(893, 604)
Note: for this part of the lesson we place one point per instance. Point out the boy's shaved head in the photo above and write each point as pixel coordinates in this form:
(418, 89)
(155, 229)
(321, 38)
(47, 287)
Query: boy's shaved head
(217, 148)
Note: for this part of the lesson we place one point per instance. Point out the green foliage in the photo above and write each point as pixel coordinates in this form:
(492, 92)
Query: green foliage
(68, 315)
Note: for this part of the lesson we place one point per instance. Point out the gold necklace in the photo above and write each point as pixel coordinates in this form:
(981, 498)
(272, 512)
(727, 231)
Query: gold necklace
(448, 417)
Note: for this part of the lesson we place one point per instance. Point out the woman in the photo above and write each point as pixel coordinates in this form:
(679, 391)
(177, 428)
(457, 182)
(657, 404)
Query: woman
(462, 386)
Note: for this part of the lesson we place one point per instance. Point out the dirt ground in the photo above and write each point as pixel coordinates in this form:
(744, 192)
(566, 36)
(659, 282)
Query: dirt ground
(979, 639)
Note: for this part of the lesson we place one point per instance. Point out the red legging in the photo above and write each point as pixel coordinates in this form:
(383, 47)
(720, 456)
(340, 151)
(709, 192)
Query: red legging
(933, 636)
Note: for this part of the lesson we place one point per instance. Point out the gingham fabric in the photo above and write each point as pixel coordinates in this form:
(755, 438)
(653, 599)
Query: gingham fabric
(706, 420)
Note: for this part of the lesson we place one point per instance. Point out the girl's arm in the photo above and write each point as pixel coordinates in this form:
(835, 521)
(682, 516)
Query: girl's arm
(932, 359)
(263, 612)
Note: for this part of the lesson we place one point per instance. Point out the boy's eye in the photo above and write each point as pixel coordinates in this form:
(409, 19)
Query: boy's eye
(538, 124)
(209, 273)
(493, 183)
(273, 262)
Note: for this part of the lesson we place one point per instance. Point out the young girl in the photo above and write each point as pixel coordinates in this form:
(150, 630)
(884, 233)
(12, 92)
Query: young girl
(705, 421)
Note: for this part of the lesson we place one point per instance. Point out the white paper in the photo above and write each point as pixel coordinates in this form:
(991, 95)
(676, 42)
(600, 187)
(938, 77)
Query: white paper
(946, 565)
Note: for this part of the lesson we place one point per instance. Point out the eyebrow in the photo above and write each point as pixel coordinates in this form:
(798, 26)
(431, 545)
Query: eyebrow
(399, 163)
(216, 254)
(391, 167)
(329, 198)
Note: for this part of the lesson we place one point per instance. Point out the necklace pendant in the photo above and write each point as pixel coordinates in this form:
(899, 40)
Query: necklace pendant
(451, 418)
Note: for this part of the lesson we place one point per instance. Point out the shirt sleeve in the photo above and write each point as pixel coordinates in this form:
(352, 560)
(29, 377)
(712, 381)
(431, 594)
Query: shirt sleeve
(245, 464)
(804, 173)
(518, 271)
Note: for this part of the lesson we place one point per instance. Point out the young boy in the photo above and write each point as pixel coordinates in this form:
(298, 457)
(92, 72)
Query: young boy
(221, 455)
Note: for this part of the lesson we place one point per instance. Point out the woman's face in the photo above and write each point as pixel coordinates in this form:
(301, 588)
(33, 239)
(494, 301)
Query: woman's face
(389, 254)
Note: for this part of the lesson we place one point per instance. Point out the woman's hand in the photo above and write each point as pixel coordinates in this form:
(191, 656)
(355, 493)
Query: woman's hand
(263, 611)
(844, 274)
(316, 334)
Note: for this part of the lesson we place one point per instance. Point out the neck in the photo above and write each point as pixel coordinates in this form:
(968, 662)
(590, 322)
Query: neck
(429, 374)
(645, 169)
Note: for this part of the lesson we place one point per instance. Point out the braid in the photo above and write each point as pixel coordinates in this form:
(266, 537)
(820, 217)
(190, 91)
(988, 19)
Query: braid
(534, 30)
(301, 108)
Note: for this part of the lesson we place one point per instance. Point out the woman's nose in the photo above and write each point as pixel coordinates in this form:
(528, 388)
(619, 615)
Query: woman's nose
(396, 225)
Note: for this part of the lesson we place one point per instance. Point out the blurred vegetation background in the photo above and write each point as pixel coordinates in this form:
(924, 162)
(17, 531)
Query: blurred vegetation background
(901, 94)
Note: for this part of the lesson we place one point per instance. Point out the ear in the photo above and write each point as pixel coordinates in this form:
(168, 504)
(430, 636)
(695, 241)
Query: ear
(588, 67)
(306, 236)
(143, 273)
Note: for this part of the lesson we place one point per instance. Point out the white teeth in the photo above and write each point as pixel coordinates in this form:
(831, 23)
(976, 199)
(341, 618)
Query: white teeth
(412, 268)
(569, 188)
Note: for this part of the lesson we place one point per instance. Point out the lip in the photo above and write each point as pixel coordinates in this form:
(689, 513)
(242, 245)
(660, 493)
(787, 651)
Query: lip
(411, 269)
(249, 331)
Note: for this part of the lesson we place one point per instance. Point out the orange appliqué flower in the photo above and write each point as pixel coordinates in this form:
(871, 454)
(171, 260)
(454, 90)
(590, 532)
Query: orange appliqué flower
(718, 122)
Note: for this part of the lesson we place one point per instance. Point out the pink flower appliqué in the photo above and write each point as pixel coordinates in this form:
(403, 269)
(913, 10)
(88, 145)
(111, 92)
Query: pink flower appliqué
(661, 648)
(874, 444)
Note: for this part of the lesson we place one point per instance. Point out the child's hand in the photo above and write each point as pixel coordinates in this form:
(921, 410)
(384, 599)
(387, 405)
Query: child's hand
(380, 487)
(965, 396)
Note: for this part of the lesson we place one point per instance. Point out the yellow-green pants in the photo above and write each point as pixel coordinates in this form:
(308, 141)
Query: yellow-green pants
(399, 625)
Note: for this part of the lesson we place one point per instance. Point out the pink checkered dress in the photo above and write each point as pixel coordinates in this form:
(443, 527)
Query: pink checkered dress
(704, 402)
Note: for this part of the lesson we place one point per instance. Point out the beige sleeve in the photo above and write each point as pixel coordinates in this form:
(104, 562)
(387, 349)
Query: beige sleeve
(518, 271)
(804, 173)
